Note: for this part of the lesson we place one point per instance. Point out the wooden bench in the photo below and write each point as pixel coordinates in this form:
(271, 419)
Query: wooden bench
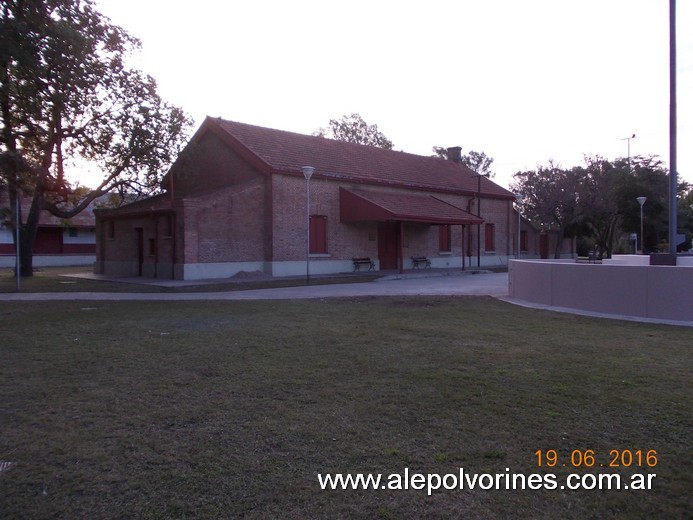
(590, 259)
(419, 261)
(358, 262)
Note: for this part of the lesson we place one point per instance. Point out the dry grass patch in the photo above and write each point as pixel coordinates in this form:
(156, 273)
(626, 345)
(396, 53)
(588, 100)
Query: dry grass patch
(230, 409)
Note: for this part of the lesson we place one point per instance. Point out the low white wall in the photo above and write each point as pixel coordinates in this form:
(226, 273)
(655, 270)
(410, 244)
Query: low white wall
(51, 260)
(661, 292)
(628, 260)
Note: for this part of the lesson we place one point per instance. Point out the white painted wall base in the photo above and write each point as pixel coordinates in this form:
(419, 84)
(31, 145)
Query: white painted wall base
(204, 271)
(51, 260)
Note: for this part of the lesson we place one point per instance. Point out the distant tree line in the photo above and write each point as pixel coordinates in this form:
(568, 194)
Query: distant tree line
(478, 162)
(353, 129)
(596, 203)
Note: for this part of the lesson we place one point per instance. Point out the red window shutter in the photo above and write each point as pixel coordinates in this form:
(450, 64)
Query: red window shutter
(444, 242)
(318, 234)
(490, 237)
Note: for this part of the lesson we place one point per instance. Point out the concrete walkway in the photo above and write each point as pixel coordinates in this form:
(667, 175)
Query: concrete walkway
(448, 284)
(428, 283)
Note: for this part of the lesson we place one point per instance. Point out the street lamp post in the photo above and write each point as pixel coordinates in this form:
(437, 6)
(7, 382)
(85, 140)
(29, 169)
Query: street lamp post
(307, 173)
(18, 221)
(518, 199)
(641, 201)
(628, 139)
(478, 214)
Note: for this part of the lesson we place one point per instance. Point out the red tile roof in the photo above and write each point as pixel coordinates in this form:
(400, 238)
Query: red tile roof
(366, 205)
(278, 151)
(84, 219)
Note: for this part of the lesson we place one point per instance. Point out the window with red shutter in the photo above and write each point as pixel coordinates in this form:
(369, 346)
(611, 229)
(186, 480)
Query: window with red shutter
(444, 241)
(490, 238)
(318, 234)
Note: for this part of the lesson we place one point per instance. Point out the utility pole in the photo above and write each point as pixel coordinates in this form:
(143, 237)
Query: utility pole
(673, 181)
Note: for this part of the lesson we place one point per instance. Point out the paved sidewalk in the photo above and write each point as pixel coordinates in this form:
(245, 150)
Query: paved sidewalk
(482, 284)
(419, 284)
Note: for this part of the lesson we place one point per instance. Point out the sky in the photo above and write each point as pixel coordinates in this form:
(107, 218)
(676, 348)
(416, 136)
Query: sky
(523, 81)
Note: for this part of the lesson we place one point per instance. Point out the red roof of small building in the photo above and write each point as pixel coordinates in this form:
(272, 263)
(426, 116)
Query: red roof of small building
(84, 219)
(279, 151)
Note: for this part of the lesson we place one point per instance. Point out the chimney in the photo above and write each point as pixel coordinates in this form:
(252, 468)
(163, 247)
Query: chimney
(455, 154)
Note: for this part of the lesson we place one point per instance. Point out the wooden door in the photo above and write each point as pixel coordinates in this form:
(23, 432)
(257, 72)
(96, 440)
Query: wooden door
(544, 245)
(140, 250)
(387, 245)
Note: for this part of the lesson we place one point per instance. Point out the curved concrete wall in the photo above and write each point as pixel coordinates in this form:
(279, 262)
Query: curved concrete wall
(661, 292)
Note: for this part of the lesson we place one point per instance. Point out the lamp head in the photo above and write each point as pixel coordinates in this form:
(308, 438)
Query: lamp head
(307, 172)
(641, 200)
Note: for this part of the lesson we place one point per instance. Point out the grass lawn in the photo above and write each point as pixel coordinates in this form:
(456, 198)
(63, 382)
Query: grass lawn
(231, 409)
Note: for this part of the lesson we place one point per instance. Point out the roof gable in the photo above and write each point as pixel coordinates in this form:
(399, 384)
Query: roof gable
(283, 152)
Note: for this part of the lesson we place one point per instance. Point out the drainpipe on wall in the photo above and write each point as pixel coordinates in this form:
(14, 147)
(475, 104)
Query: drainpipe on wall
(401, 247)
(156, 247)
(463, 262)
(173, 226)
(173, 245)
(478, 226)
(507, 227)
(469, 233)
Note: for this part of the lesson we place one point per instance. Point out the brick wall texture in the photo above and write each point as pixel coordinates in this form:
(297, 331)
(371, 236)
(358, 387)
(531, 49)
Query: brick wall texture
(226, 211)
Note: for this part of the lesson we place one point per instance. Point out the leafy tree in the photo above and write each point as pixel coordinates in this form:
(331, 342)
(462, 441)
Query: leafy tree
(66, 97)
(550, 196)
(686, 212)
(476, 161)
(353, 129)
(648, 178)
(599, 200)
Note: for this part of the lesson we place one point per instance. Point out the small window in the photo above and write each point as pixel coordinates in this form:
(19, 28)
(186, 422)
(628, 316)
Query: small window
(444, 239)
(490, 242)
(318, 234)
(523, 240)
(110, 228)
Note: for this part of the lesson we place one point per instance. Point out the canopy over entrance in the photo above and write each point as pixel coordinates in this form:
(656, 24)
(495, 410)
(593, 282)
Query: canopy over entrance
(366, 205)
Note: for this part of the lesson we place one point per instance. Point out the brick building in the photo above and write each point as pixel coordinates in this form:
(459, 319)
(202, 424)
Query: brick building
(235, 200)
(59, 242)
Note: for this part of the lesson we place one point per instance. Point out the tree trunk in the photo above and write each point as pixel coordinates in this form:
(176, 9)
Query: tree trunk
(559, 243)
(27, 237)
